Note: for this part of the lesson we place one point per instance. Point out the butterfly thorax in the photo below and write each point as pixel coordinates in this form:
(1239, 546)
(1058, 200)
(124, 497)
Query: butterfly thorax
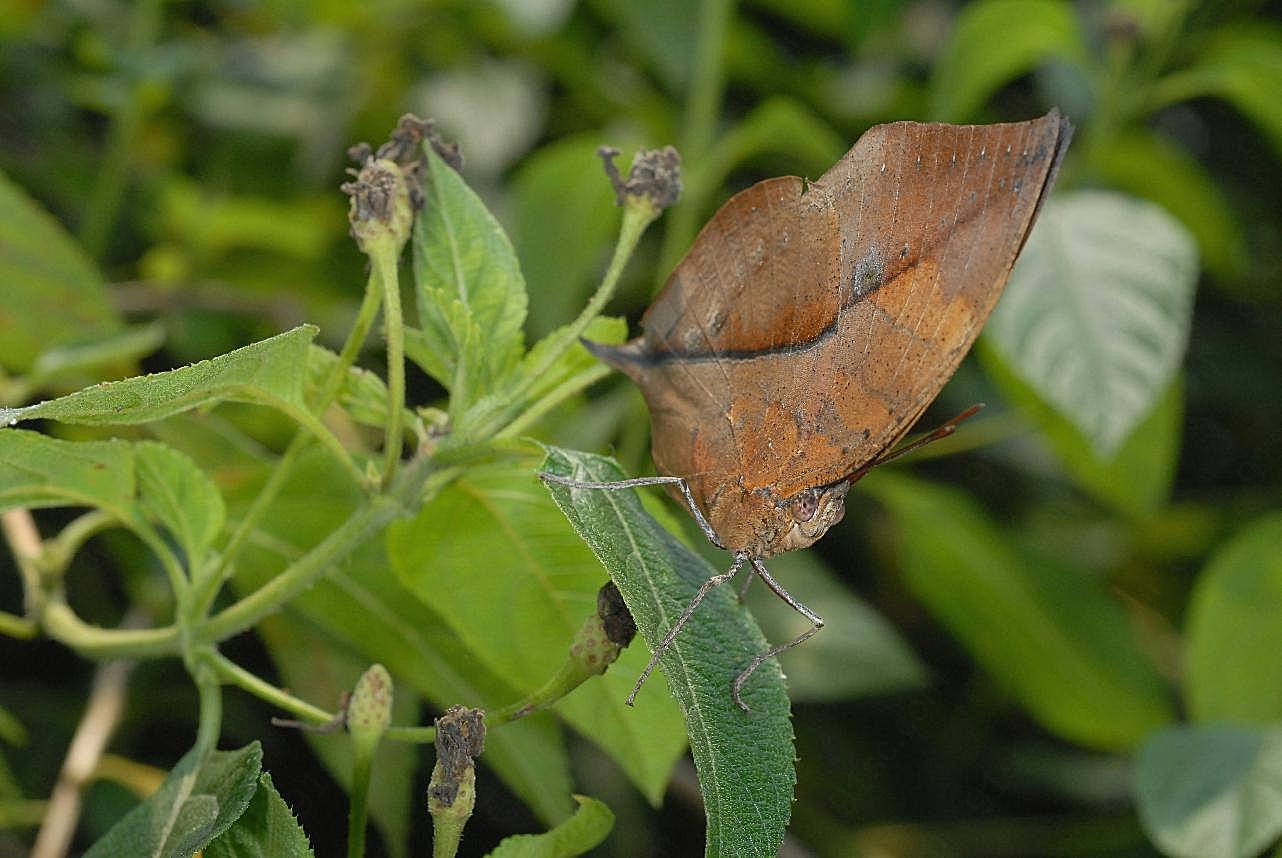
(761, 524)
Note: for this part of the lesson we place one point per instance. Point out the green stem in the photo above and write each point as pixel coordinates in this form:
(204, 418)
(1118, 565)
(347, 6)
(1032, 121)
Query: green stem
(208, 588)
(60, 549)
(211, 703)
(412, 735)
(108, 191)
(384, 267)
(62, 624)
(230, 672)
(637, 215)
(553, 398)
(14, 626)
(358, 801)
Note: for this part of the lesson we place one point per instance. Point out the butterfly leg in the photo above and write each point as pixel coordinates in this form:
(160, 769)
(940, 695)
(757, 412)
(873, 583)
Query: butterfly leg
(659, 650)
(638, 482)
(815, 619)
(747, 582)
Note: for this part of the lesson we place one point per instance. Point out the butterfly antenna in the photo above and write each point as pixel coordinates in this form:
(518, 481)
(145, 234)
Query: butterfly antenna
(936, 434)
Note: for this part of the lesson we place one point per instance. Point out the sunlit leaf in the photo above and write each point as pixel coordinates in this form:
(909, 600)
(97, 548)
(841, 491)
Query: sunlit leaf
(1096, 315)
(744, 760)
(1207, 791)
(1234, 636)
(495, 558)
(267, 828)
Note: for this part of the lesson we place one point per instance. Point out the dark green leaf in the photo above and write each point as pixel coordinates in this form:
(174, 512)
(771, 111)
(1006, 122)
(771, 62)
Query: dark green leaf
(494, 557)
(858, 653)
(1096, 315)
(471, 296)
(1151, 166)
(178, 494)
(1048, 633)
(744, 760)
(1206, 791)
(53, 294)
(1234, 633)
(995, 42)
(267, 829)
(563, 219)
(198, 801)
(270, 372)
(580, 833)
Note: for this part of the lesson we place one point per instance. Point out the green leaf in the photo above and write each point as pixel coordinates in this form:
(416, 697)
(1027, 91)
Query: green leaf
(995, 42)
(363, 608)
(1096, 315)
(1234, 633)
(563, 220)
(71, 363)
(1045, 631)
(496, 559)
(1211, 790)
(1243, 65)
(53, 294)
(178, 494)
(744, 759)
(585, 830)
(1137, 479)
(363, 394)
(270, 372)
(471, 296)
(267, 828)
(1151, 166)
(198, 801)
(128, 480)
(858, 654)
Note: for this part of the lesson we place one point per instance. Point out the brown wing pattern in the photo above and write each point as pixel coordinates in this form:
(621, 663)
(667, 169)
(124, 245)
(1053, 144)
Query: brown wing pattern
(804, 332)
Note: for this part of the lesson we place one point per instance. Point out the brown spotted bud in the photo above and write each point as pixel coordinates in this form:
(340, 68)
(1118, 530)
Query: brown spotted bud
(654, 180)
(380, 212)
(369, 710)
(451, 794)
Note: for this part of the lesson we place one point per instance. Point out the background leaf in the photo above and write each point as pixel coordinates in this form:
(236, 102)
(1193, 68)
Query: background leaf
(1096, 314)
(1234, 636)
(744, 759)
(198, 801)
(579, 834)
(53, 294)
(1046, 632)
(267, 828)
(1211, 790)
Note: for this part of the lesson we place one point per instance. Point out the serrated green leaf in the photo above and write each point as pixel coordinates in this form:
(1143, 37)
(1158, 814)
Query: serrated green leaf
(363, 394)
(469, 288)
(1045, 631)
(128, 480)
(1207, 791)
(995, 42)
(585, 830)
(1097, 312)
(363, 608)
(1241, 64)
(497, 560)
(1137, 479)
(1151, 166)
(1234, 634)
(744, 760)
(563, 219)
(198, 801)
(178, 494)
(859, 653)
(53, 294)
(267, 829)
(270, 372)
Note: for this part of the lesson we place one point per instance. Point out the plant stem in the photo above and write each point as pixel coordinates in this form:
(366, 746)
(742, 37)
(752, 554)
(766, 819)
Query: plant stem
(211, 702)
(358, 803)
(62, 624)
(551, 399)
(412, 735)
(234, 674)
(384, 268)
(11, 625)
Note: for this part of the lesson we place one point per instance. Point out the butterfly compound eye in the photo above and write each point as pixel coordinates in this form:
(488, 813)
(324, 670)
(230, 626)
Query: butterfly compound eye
(804, 505)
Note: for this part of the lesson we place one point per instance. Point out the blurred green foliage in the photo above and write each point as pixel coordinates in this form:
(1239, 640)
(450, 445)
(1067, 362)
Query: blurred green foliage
(1091, 591)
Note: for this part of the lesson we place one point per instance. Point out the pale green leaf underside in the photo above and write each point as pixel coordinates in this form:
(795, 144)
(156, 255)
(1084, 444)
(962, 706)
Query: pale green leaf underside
(580, 833)
(198, 801)
(1096, 314)
(744, 760)
(1211, 790)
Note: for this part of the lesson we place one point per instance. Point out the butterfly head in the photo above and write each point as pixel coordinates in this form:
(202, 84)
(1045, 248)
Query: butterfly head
(763, 525)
